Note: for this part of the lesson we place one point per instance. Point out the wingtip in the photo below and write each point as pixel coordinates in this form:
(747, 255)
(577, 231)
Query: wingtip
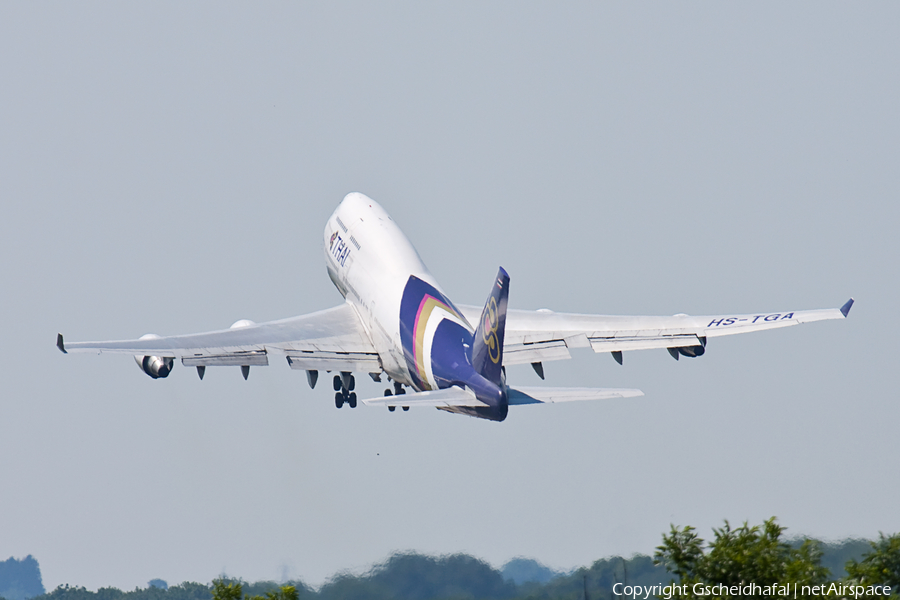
(845, 309)
(60, 344)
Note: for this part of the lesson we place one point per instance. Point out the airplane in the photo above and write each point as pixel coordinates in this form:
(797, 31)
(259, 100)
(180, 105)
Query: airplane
(397, 321)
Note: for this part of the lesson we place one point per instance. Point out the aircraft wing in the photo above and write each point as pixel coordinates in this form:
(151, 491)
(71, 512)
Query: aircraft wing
(543, 335)
(332, 339)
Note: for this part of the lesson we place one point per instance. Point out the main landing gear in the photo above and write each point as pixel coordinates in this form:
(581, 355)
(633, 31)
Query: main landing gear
(398, 391)
(343, 388)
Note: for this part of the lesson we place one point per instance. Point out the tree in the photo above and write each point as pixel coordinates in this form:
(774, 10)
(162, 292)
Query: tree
(881, 566)
(20, 578)
(740, 557)
(418, 577)
(227, 590)
(234, 590)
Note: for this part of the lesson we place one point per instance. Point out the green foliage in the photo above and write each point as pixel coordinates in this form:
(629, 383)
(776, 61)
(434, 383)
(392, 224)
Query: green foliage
(880, 566)
(836, 555)
(741, 556)
(285, 592)
(65, 592)
(736, 556)
(681, 551)
(109, 593)
(229, 589)
(220, 588)
(598, 579)
(418, 577)
(184, 591)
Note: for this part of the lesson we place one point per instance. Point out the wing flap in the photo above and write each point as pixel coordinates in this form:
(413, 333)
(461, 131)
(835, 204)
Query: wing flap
(237, 359)
(622, 342)
(360, 362)
(519, 354)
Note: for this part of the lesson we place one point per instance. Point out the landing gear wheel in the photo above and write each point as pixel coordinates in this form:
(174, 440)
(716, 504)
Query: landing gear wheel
(339, 400)
(392, 408)
(352, 383)
(401, 392)
(405, 408)
(388, 393)
(337, 383)
(352, 400)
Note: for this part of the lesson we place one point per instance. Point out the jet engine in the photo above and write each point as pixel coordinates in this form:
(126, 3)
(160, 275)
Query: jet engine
(694, 351)
(155, 366)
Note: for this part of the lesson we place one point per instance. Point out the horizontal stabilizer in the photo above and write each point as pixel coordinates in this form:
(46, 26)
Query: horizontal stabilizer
(543, 395)
(452, 396)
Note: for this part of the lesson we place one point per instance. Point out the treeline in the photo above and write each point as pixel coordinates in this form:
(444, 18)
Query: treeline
(757, 554)
(20, 578)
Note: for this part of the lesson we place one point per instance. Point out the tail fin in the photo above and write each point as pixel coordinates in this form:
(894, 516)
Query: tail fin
(487, 347)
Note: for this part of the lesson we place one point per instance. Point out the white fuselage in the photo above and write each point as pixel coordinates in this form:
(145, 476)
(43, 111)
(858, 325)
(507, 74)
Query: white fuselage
(370, 260)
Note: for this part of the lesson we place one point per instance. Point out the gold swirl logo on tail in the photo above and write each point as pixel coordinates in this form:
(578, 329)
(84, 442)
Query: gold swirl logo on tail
(490, 324)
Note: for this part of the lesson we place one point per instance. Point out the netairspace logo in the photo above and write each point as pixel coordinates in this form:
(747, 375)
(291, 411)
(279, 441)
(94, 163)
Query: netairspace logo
(667, 592)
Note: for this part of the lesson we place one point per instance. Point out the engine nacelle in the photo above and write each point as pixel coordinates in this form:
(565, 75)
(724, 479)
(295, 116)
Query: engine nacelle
(692, 351)
(155, 366)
